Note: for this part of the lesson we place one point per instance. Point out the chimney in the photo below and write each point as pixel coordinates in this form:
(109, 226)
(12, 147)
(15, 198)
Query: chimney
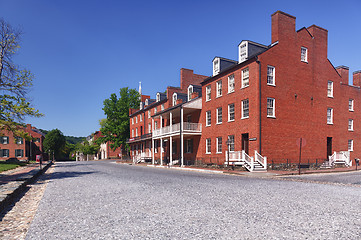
(186, 79)
(343, 71)
(357, 78)
(320, 36)
(283, 27)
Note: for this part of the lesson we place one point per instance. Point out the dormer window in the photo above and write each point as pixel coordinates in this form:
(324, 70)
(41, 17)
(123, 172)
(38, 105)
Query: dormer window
(146, 102)
(162, 107)
(158, 97)
(141, 106)
(216, 66)
(174, 98)
(243, 52)
(190, 91)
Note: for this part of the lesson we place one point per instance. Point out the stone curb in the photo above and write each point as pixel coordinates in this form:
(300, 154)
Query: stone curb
(13, 188)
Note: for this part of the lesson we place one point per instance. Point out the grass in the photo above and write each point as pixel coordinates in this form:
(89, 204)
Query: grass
(7, 166)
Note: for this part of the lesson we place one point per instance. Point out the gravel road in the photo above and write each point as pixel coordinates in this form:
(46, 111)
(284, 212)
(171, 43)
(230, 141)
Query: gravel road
(104, 200)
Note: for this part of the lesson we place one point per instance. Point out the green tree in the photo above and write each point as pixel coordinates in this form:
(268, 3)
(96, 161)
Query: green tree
(115, 129)
(15, 82)
(55, 141)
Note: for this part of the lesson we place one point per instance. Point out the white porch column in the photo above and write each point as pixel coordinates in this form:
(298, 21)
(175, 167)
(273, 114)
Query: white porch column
(161, 151)
(181, 134)
(170, 140)
(153, 142)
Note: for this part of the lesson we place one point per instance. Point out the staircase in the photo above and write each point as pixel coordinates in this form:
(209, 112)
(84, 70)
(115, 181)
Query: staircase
(342, 157)
(252, 164)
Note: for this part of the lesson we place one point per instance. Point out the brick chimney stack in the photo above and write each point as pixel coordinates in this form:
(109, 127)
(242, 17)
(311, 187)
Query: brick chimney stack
(357, 78)
(283, 27)
(344, 72)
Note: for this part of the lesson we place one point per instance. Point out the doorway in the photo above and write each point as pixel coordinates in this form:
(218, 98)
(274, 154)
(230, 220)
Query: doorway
(329, 147)
(245, 142)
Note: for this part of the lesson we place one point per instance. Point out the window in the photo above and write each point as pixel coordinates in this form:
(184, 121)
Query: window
(136, 132)
(149, 113)
(136, 119)
(208, 118)
(140, 105)
(329, 116)
(132, 133)
(219, 115)
(158, 97)
(219, 88)
(231, 83)
(350, 124)
(19, 140)
(155, 110)
(242, 52)
(174, 99)
(132, 121)
(208, 145)
(140, 117)
(271, 75)
(4, 152)
(4, 140)
(245, 108)
(231, 112)
(162, 107)
(231, 143)
(155, 125)
(190, 91)
(245, 78)
(303, 54)
(350, 105)
(215, 66)
(271, 107)
(350, 145)
(19, 153)
(189, 146)
(149, 128)
(219, 144)
(146, 103)
(208, 93)
(330, 89)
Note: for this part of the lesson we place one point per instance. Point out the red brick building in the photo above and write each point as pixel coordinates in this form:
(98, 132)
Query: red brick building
(264, 103)
(17, 147)
(105, 151)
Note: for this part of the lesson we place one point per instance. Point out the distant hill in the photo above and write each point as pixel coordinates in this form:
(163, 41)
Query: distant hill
(69, 139)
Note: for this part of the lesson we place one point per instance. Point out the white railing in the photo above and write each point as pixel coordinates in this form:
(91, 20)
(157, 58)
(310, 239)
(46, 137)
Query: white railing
(340, 157)
(242, 158)
(175, 128)
(261, 160)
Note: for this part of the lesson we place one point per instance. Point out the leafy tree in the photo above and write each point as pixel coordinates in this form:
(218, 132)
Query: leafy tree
(14, 82)
(116, 127)
(55, 141)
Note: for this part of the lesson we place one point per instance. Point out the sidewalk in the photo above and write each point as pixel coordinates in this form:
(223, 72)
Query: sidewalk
(12, 182)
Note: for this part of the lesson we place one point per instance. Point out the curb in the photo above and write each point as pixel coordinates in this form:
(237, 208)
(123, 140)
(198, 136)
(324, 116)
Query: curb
(14, 188)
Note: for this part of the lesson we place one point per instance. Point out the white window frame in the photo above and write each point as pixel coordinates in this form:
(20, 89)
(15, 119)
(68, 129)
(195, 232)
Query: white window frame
(330, 89)
(350, 145)
(149, 128)
(231, 84)
(162, 107)
(174, 99)
(245, 77)
(146, 102)
(271, 75)
(157, 97)
(208, 118)
(219, 144)
(132, 133)
(351, 105)
(155, 110)
(190, 91)
(136, 132)
(350, 124)
(273, 107)
(329, 115)
(245, 108)
(140, 118)
(17, 155)
(19, 140)
(136, 119)
(149, 113)
(216, 66)
(304, 54)
(219, 115)
(231, 113)
(242, 52)
(208, 146)
(132, 120)
(219, 88)
(208, 93)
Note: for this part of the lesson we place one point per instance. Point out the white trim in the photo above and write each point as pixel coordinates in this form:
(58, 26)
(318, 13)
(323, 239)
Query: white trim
(245, 84)
(273, 75)
(217, 144)
(229, 114)
(273, 108)
(190, 87)
(216, 66)
(351, 109)
(242, 54)
(242, 109)
(174, 99)
(217, 111)
(208, 145)
(350, 126)
(350, 146)
(330, 89)
(208, 93)
(304, 56)
(157, 97)
(234, 84)
(208, 117)
(330, 121)
(219, 83)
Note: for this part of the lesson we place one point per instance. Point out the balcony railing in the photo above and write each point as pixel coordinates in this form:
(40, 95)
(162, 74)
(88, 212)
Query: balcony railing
(175, 128)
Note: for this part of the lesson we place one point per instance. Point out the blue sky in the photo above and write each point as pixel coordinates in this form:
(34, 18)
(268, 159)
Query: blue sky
(82, 51)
